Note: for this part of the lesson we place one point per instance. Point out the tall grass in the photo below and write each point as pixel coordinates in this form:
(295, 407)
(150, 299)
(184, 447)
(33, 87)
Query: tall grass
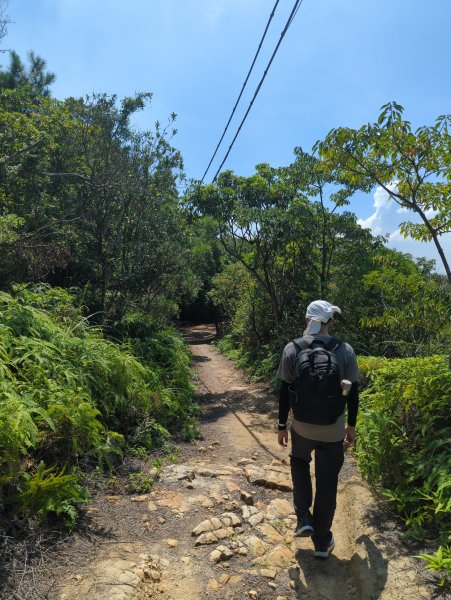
(70, 397)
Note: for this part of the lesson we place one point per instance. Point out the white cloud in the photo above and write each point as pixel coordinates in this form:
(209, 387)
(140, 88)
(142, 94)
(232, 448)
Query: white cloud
(383, 204)
(386, 220)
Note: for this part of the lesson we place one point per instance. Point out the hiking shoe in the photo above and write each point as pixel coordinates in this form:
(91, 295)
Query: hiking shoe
(324, 548)
(304, 527)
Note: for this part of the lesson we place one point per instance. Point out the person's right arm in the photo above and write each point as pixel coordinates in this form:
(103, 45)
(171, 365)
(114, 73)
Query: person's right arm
(352, 402)
(353, 407)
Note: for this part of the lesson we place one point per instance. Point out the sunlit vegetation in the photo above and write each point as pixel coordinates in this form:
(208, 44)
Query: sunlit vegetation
(99, 254)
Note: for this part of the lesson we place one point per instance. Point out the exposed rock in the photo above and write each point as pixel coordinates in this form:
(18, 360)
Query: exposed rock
(279, 509)
(269, 573)
(206, 538)
(256, 519)
(216, 523)
(172, 543)
(246, 461)
(139, 498)
(230, 519)
(225, 523)
(232, 506)
(257, 546)
(225, 552)
(215, 556)
(152, 506)
(230, 485)
(247, 498)
(270, 534)
(213, 584)
(207, 473)
(223, 533)
(173, 500)
(173, 473)
(281, 556)
(247, 511)
(269, 478)
(208, 503)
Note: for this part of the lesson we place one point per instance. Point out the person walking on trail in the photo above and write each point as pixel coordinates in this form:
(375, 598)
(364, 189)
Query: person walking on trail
(320, 377)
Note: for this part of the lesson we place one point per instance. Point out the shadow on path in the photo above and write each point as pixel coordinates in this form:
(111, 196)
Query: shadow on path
(201, 334)
(338, 578)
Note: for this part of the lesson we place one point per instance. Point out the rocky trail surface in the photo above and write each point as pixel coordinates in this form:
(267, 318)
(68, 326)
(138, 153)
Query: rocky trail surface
(218, 524)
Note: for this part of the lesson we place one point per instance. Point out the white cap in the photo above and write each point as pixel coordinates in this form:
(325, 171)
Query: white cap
(319, 311)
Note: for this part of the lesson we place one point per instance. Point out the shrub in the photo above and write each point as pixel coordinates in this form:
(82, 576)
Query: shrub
(70, 397)
(403, 444)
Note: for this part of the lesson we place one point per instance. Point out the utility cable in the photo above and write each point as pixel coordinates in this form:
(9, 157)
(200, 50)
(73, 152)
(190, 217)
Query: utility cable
(244, 85)
(293, 13)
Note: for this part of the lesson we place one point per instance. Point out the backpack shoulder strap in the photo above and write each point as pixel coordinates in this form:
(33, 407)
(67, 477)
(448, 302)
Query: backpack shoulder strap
(333, 344)
(302, 343)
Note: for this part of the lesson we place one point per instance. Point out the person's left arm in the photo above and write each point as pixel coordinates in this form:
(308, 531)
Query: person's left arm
(284, 409)
(284, 372)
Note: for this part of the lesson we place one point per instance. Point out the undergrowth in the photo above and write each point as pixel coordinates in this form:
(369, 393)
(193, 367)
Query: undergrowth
(71, 399)
(260, 363)
(403, 447)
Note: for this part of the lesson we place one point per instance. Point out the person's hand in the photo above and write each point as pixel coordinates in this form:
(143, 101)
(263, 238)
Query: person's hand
(283, 437)
(349, 436)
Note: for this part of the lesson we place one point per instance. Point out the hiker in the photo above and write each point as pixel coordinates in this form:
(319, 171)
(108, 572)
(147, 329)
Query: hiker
(319, 376)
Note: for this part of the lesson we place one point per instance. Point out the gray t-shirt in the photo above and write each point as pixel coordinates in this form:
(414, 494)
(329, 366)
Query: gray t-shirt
(349, 369)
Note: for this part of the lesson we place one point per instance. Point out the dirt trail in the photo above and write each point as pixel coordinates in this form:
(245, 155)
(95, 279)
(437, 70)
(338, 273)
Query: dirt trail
(234, 488)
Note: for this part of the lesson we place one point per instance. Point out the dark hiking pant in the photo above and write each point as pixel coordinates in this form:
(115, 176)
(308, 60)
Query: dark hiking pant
(329, 457)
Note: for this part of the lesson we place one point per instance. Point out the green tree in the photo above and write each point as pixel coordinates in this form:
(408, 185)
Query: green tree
(126, 228)
(407, 307)
(414, 168)
(279, 226)
(35, 76)
(256, 231)
(29, 129)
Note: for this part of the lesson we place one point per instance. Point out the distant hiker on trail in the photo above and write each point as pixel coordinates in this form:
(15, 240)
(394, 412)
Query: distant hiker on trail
(319, 376)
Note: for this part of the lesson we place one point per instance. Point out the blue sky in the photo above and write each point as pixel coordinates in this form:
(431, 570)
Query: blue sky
(340, 61)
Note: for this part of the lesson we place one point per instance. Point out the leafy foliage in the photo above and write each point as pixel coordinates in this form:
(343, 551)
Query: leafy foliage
(412, 167)
(68, 396)
(403, 443)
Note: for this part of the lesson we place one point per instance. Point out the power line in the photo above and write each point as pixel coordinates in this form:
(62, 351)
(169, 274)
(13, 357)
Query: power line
(293, 13)
(244, 85)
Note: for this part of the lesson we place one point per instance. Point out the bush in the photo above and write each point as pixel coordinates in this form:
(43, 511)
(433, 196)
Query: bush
(261, 364)
(403, 444)
(69, 397)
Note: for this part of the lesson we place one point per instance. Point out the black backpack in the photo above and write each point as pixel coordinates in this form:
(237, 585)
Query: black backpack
(316, 395)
